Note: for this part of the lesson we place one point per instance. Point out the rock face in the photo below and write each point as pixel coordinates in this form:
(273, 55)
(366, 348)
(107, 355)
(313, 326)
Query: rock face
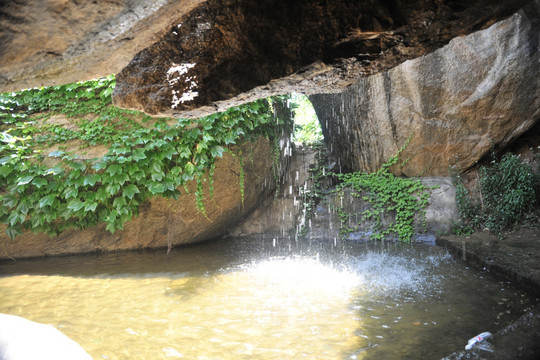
(50, 42)
(477, 93)
(284, 216)
(237, 45)
(441, 214)
(164, 222)
(192, 58)
(226, 52)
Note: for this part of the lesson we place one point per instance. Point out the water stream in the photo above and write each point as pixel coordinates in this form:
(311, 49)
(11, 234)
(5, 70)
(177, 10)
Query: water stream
(263, 299)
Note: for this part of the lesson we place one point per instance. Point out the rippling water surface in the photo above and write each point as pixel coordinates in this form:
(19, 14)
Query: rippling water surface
(263, 299)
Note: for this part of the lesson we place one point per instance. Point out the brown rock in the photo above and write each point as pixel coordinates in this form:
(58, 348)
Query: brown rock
(243, 49)
(58, 42)
(225, 53)
(164, 222)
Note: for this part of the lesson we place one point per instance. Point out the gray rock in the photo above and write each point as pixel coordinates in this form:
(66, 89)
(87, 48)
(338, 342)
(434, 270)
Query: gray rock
(455, 104)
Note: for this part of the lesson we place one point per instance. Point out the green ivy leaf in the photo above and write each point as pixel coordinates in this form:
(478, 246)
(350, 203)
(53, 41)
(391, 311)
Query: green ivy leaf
(14, 231)
(75, 205)
(121, 178)
(175, 171)
(156, 167)
(138, 154)
(15, 218)
(189, 169)
(71, 192)
(217, 151)
(130, 191)
(91, 179)
(23, 207)
(39, 182)
(99, 165)
(90, 206)
(138, 175)
(46, 201)
(112, 189)
(169, 184)
(157, 176)
(110, 228)
(184, 152)
(5, 170)
(55, 171)
(156, 188)
(119, 202)
(101, 195)
(25, 180)
(5, 160)
(10, 200)
(113, 169)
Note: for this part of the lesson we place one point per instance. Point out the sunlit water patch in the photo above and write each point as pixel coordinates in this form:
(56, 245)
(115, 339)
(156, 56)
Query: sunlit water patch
(241, 299)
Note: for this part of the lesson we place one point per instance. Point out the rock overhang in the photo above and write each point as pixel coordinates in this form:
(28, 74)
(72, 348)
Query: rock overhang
(194, 58)
(237, 50)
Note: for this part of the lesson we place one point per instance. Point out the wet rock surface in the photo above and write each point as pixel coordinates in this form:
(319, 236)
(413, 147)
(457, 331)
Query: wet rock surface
(516, 258)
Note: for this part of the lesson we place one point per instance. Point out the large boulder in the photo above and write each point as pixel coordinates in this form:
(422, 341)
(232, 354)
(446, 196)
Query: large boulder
(224, 53)
(480, 92)
(165, 223)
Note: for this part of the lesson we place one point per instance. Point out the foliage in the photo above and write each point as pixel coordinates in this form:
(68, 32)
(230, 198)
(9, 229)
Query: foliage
(404, 198)
(507, 190)
(387, 194)
(307, 129)
(59, 190)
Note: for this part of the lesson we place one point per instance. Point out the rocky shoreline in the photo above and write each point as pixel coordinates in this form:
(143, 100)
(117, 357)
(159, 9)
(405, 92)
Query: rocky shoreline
(515, 257)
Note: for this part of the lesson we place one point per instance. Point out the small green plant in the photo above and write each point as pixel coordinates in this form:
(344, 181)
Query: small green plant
(405, 198)
(507, 191)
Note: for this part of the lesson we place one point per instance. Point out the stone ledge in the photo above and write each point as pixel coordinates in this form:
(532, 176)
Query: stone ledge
(514, 258)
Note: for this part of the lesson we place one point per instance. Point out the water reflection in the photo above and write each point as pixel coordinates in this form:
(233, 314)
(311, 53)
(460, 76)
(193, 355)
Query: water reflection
(264, 299)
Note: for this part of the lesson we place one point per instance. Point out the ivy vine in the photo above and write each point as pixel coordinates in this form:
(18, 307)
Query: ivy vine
(405, 198)
(53, 191)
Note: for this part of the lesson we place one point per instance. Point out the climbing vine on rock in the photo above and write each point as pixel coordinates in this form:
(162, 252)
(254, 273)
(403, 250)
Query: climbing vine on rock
(50, 191)
(405, 198)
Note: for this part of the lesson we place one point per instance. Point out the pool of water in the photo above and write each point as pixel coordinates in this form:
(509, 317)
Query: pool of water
(264, 299)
